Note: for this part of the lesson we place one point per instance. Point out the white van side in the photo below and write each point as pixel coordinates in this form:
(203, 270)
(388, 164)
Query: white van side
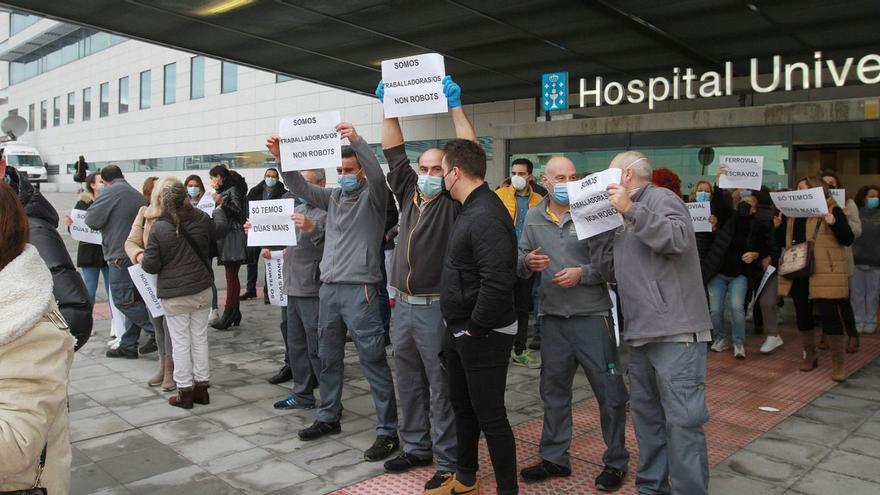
(26, 159)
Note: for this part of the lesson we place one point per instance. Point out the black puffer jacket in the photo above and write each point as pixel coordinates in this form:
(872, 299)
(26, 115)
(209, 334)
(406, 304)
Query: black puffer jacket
(69, 289)
(231, 248)
(479, 270)
(88, 255)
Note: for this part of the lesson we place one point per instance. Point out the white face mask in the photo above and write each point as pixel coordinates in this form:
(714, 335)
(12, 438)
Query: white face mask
(518, 182)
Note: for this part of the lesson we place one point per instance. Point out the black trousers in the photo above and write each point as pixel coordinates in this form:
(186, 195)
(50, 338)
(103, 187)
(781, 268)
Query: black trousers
(522, 302)
(829, 310)
(477, 370)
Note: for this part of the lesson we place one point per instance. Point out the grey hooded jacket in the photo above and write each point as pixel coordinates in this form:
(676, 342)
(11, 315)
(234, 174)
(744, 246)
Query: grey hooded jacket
(302, 272)
(112, 213)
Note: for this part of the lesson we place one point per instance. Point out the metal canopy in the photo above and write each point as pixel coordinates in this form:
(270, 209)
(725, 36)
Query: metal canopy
(496, 49)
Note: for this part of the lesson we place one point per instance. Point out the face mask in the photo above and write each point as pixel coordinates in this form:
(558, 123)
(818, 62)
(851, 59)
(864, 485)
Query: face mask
(518, 182)
(445, 190)
(193, 191)
(744, 209)
(101, 188)
(299, 201)
(745, 193)
(873, 202)
(429, 185)
(271, 181)
(702, 196)
(348, 183)
(560, 193)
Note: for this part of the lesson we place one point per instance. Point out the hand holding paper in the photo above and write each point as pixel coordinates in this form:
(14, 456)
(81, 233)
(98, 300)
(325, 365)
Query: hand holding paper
(452, 91)
(619, 198)
(303, 223)
(273, 144)
(380, 92)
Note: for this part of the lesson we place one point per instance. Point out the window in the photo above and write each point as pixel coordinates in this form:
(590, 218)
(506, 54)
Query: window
(196, 78)
(20, 22)
(123, 95)
(44, 113)
(31, 117)
(145, 89)
(170, 84)
(71, 107)
(12, 112)
(228, 77)
(68, 48)
(56, 111)
(280, 78)
(87, 104)
(104, 102)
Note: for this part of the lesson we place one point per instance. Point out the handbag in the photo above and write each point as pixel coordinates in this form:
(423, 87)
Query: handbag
(799, 261)
(232, 248)
(36, 489)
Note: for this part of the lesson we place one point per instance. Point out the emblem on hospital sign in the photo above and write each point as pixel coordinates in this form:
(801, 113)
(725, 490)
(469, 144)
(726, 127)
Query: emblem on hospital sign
(554, 91)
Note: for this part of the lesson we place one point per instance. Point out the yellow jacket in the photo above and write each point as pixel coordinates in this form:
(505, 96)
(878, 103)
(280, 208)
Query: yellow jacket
(508, 197)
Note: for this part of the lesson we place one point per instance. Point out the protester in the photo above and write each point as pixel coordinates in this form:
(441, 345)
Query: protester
(664, 177)
(90, 257)
(577, 331)
(827, 285)
(230, 196)
(195, 189)
(176, 251)
(518, 197)
(113, 214)
(268, 188)
(36, 352)
(68, 288)
(350, 273)
(134, 249)
(865, 282)
(476, 300)
(702, 192)
(426, 215)
(80, 171)
(766, 309)
(654, 260)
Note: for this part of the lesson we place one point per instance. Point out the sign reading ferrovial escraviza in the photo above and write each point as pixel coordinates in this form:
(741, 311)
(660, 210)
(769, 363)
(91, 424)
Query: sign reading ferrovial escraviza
(310, 141)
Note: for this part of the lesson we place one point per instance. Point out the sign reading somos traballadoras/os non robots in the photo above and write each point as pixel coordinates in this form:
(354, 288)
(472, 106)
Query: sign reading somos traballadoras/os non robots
(687, 84)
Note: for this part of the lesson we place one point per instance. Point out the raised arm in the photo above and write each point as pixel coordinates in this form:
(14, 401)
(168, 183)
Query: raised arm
(463, 127)
(369, 164)
(315, 195)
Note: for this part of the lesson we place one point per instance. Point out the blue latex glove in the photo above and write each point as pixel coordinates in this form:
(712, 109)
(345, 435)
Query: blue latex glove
(452, 91)
(380, 91)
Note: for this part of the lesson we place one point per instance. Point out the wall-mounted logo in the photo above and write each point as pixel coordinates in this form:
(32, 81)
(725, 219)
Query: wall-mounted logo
(554, 91)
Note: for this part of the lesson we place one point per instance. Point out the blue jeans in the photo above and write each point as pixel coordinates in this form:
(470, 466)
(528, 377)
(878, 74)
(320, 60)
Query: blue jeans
(90, 276)
(127, 300)
(733, 290)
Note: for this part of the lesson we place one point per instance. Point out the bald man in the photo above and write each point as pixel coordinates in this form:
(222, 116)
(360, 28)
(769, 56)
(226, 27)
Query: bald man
(577, 330)
(654, 260)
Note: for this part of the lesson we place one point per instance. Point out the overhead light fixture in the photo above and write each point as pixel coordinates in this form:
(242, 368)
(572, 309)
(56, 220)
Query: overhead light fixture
(751, 6)
(222, 6)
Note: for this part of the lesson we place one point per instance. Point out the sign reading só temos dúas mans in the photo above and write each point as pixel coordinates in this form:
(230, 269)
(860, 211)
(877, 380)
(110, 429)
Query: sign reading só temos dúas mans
(310, 141)
(803, 203)
(413, 85)
(275, 279)
(271, 224)
(82, 232)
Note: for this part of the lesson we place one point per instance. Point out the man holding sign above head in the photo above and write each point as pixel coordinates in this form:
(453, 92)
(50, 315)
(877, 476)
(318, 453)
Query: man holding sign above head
(350, 274)
(426, 220)
(653, 258)
(577, 330)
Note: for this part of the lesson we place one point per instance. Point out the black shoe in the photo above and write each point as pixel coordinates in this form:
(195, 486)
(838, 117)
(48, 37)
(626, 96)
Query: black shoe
(149, 346)
(266, 300)
(404, 462)
(231, 317)
(248, 295)
(610, 479)
(543, 471)
(319, 429)
(535, 344)
(283, 375)
(438, 479)
(120, 353)
(383, 447)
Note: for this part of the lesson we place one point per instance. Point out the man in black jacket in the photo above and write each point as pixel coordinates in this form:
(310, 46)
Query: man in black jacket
(476, 300)
(268, 188)
(69, 288)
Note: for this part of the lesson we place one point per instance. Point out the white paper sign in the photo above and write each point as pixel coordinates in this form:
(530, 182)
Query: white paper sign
(839, 196)
(310, 141)
(613, 296)
(413, 85)
(591, 210)
(769, 271)
(80, 231)
(743, 172)
(145, 283)
(206, 204)
(275, 279)
(700, 212)
(271, 224)
(802, 203)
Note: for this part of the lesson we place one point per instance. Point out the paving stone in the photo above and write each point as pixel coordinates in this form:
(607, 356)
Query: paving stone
(322, 457)
(251, 393)
(168, 480)
(761, 467)
(269, 430)
(847, 403)
(89, 478)
(151, 412)
(141, 464)
(786, 449)
(830, 417)
(802, 429)
(312, 486)
(219, 400)
(128, 397)
(870, 428)
(237, 459)
(239, 415)
(78, 402)
(862, 445)
(205, 486)
(855, 465)
(101, 448)
(216, 444)
(265, 477)
(97, 426)
(820, 482)
(859, 392)
(173, 432)
(361, 405)
(721, 482)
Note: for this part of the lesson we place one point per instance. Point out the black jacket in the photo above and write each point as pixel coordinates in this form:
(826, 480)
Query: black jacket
(231, 248)
(69, 289)
(479, 270)
(88, 255)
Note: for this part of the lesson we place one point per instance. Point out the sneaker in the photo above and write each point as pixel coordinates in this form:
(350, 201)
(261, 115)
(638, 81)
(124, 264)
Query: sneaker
(114, 342)
(318, 430)
(284, 375)
(384, 446)
(121, 353)
(870, 329)
(543, 471)
(213, 316)
(610, 479)
(451, 486)
(248, 295)
(535, 344)
(739, 351)
(405, 461)
(439, 480)
(771, 343)
(526, 360)
(291, 403)
(721, 345)
(149, 346)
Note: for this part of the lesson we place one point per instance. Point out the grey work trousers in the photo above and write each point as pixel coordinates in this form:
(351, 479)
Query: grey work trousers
(302, 347)
(668, 398)
(422, 385)
(586, 341)
(356, 307)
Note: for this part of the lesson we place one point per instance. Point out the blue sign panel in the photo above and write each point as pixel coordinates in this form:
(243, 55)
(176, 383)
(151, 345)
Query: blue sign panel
(554, 91)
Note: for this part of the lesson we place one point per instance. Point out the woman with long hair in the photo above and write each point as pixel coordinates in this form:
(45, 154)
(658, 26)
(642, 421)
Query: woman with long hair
(90, 257)
(195, 189)
(230, 193)
(865, 281)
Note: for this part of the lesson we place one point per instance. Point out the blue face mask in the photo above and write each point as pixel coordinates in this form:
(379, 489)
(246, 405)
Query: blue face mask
(873, 202)
(745, 193)
(271, 181)
(101, 188)
(193, 191)
(348, 183)
(560, 193)
(429, 185)
(703, 196)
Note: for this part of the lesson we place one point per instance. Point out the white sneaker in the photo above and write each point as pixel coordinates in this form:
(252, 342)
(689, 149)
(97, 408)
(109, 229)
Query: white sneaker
(721, 345)
(739, 351)
(771, 343)
(113, 342)
(869, 329)
(212, 317)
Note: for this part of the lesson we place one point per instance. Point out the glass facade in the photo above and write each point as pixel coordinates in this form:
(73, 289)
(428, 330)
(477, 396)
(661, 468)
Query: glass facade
(228, 77)
(145, 90)
(87, 104)
(123, 95)
(74, 46)
(71, 107)
(280, 78)
(104, 102)
(56, 111)
(169, 87)
(31, 116)
(196, 77)
(44, 111)
(20, 22)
